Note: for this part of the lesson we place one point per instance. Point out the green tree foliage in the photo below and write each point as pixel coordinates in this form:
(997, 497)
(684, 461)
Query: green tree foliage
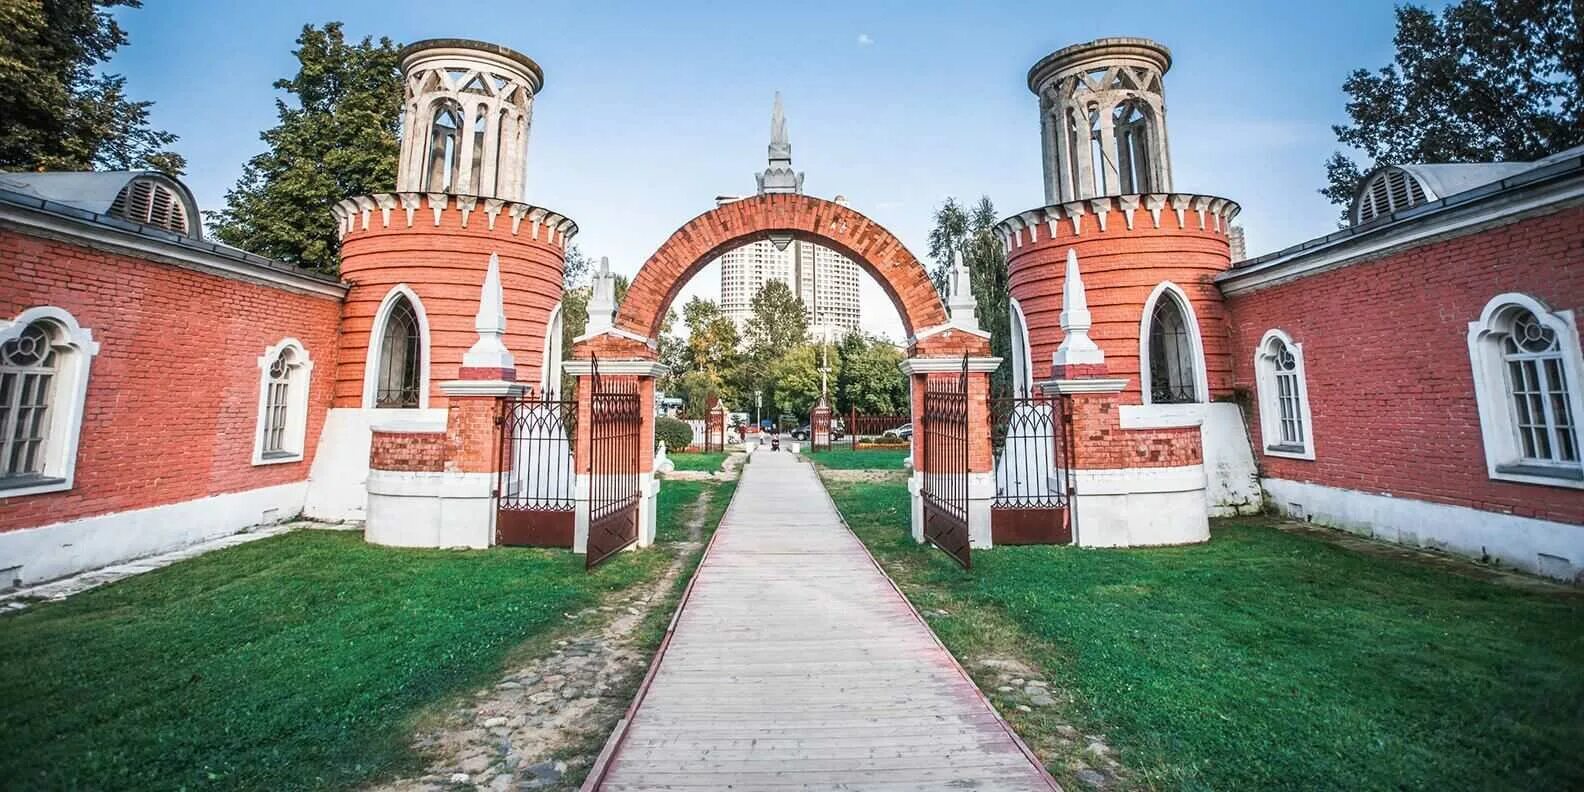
(56, 113)
(776, 322)
(971, 231)
(338, 140)
(870, 379)
(1488, 80)
(677, 435)
(713, 343)
(795, 379)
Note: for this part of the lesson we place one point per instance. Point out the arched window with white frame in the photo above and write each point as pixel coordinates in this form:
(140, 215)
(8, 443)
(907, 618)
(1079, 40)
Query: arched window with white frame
(1283, 390)
(396, 373)
(1527, 383)
(284, 376)
(550, 365)
(1171, 353)
(45, 358)
(1022, 367)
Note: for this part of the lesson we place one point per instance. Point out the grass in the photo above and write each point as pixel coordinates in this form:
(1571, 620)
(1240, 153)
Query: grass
(1265, 659)
(862, 459)
(698, 460)
(676, 500)
(296, 661)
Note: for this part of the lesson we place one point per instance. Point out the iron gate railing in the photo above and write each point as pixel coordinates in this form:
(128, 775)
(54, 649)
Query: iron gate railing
(536, 489)
(873, 430)
(615, 431)
(1032, 470)
(945, 490)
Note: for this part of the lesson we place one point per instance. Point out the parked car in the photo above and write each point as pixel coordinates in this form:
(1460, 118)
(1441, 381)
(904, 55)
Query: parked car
(804, 432)
(903, 432)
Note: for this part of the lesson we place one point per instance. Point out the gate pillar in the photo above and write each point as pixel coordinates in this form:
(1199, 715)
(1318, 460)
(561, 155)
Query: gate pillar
(644, 373)
(981, 454)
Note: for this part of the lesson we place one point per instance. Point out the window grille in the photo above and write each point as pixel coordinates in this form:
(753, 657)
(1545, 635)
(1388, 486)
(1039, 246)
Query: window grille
(1289, 418)
(400, 358)
(1537, 388)
(1388, 191)
(277, 404)
(1171, 364)
(28, 366)
(151, 203)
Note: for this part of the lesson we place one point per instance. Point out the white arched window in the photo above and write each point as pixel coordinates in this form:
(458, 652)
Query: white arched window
(1526, 363)
(550, 365)
(1283, 391)
(45, 358)
(1171, 354)
(396, 372)
(284, 371)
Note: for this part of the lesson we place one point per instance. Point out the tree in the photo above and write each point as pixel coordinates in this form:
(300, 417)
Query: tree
(1490, 80)
(712, 344)
(795, 380)
(776, 322)
(971, 232)
(872, 380)
(338, 141)
(55, 112)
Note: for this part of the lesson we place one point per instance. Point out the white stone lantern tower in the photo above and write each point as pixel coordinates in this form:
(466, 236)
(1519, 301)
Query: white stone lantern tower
(468, 106)
(1103, 119)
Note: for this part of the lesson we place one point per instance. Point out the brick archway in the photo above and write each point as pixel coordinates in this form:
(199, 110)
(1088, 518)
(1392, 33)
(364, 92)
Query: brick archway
(704, 238)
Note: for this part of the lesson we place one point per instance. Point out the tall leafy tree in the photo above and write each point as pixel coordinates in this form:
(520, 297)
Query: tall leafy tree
(56, 113)
(870, 378)
(776, 322)
(971, 231)
(1487, 80)
(337, 140)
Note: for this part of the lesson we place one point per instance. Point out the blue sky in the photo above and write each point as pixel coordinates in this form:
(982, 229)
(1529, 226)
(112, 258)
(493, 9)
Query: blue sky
(652, 109)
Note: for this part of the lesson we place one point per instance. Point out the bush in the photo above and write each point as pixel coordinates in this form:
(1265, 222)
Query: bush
(676, 434)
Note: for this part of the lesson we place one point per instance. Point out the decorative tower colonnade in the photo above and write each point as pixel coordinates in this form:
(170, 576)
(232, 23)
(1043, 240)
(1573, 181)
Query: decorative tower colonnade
(1113, 282)
(455, 292)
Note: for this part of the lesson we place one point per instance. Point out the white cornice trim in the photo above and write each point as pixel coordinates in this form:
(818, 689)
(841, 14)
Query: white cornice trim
(483, 388)
(623, 368)
(127, 242)
(947, 365)
(941, 328)
(1161, 416)
(615, 331)
(406, 425)
(1407, 232)
(1085, 385)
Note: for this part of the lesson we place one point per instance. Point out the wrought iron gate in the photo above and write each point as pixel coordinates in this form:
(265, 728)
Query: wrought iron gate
(615, 431)
(946, 464)
(1032, 470)
(535, 493)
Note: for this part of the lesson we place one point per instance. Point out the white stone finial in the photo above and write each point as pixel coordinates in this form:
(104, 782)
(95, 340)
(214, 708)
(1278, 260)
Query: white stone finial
(490, 351)
(602, 303)
(960, 304)
(1076, 349)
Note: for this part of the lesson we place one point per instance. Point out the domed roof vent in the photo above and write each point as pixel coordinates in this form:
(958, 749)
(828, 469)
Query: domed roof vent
(1388, 190)
(153, 200)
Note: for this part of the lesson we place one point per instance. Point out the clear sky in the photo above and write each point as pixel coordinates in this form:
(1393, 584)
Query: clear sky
(651, 109)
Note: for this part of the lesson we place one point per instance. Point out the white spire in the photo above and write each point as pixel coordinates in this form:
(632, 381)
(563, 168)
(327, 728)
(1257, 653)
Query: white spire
(1076, 349)
(960, 305)
(490, 351)
(779, 176)
(602, 303)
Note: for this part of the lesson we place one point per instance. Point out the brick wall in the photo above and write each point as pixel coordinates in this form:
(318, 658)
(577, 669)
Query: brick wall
(1100, 443)
(172, 402)
(408, 451)
(444, 264)
(1385, 346)
(1121, 266)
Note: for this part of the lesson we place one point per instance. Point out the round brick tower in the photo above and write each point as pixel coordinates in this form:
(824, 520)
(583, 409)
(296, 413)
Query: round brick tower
(467, 112)
(1139, 344)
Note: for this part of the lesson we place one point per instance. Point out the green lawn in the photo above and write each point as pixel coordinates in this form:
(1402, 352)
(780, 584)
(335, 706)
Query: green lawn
(687, 460)
(1265, 659)
(297, 661)
(862, 459)
(676, 499)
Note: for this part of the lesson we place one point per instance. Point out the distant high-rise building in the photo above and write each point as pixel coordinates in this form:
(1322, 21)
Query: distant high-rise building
(826, 281)
(1236, 242)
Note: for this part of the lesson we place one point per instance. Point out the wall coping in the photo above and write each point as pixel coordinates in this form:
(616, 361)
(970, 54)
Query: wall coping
(621, 368)
(1214, 213)
(947, 365)
(358, 213)
(1085, 385)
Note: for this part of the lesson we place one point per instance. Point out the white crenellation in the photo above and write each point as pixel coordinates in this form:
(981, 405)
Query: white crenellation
(355, 214)
(1209, 212)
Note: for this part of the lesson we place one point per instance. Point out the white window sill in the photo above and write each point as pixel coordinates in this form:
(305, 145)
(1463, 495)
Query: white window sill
(39, 486)
(1569, 478)
(1291, 452)
(276, 459)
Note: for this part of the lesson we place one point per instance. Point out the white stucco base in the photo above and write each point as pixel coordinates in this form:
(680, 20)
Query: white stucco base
(1231, 475)
(66, 548)
(426, 509)
(648, 495)
(1134, 507)
(338, 480)
(1543, 547)
(916, 499)
(981, 496)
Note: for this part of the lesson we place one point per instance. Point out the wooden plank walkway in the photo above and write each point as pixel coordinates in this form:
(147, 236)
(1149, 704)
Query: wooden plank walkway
(794, 663)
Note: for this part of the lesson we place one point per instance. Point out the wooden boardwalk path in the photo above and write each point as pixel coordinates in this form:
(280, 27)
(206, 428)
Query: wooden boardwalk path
(794, 663)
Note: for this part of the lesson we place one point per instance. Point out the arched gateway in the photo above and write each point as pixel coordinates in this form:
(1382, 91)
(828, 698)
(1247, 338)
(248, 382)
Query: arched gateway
(615, 362)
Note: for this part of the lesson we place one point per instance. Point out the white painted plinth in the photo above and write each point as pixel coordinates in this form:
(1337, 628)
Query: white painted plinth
(1137, 507)
(338, 480)
(1231, 476)
(426, 509)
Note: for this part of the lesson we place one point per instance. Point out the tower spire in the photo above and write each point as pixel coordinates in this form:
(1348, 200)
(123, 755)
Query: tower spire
(779, 176)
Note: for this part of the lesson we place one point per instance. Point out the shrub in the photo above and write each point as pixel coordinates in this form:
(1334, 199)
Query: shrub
(676, 434)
